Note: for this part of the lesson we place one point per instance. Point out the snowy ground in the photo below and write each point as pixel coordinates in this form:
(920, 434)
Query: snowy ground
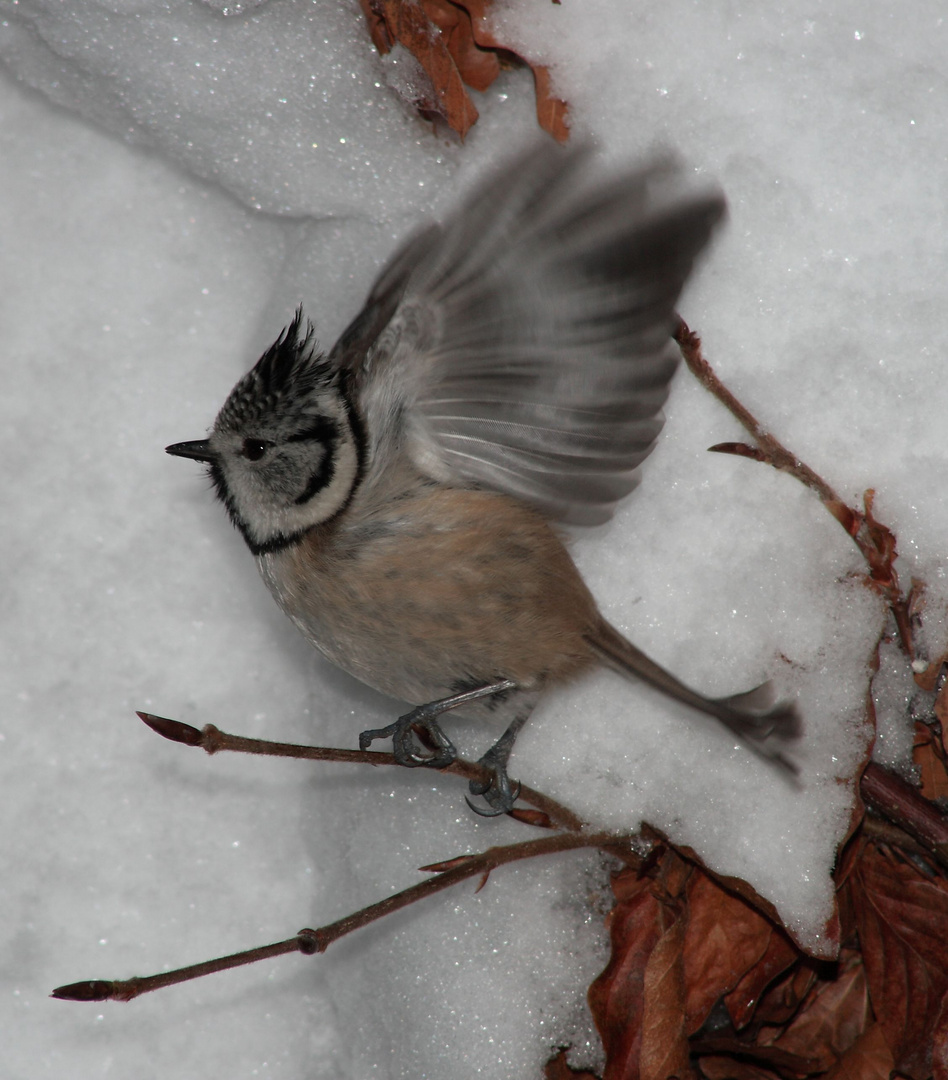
(237, 165)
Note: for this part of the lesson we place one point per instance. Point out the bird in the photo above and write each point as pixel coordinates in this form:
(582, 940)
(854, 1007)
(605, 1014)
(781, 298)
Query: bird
(406, 495)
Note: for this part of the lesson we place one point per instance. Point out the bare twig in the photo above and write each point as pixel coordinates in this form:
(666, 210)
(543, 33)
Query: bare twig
(892, 797)
(309, 941)
(881, 790)
(212, 740)
(874, 540)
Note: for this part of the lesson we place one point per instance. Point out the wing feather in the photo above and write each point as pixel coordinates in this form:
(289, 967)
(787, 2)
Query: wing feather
(525, 345)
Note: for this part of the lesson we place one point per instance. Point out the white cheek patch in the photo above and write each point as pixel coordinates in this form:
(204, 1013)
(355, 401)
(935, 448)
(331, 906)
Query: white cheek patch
(326, 492)
(343, 465)
(322, 475)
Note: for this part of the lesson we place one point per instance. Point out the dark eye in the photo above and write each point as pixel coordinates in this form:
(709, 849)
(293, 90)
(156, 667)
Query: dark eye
(254, 449)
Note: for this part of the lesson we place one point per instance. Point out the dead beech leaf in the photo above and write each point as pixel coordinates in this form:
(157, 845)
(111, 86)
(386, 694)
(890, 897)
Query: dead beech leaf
(940, 1047)
(552, 112)
(902, 921)
(832, 1018)
(616, 997)
(779, 955)
(781, 1001)
(406, 23)
(738, 887)
(477, 67)
(725, 938)
(558, 1068)
(869, 1058)
(664, 1042)
(719, 1067)
(928, 756)
(455, 44)
(773, 1058)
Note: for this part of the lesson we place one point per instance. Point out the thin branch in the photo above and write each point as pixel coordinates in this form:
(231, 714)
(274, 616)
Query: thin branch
(901, 804)
(883, 791)
(309, 941)
(881, 831)
(212, 740)
(874, 540)
(888, 795)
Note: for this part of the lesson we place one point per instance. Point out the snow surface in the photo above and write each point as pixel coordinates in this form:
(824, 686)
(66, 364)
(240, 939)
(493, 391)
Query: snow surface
(184, 178)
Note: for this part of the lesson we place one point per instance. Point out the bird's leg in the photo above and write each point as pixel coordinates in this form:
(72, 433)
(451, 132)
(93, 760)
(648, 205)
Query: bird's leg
(426, 716)
(496, 790)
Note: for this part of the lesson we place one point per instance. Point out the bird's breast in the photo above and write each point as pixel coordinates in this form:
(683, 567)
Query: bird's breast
(436, 592)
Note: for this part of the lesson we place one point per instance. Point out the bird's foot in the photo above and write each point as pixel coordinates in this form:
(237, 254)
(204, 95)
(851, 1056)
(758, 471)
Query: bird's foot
(497, 790)
(439, 752)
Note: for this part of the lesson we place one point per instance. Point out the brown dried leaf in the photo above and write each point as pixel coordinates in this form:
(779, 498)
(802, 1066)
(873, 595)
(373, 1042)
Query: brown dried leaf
(940, 1048)
(455, 44)
(902, 919)
(781, 1062)
(741, 1002)
(737, 886)
(831, 1019)
(616, 998)
(664, 1043)
(407, 23)
(558, 1068)
(477, 67)
(552, 112)
(716, 1067)
(780, 1002)
(928, 755)
(725, 938)
(869, 1058)
(638, 1001)
(671, 875)
(374, 13)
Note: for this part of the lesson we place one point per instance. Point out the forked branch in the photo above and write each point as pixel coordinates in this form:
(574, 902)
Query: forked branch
(874, 540)
(309, 941)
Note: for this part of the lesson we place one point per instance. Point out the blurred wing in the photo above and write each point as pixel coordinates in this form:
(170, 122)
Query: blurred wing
(525, 345)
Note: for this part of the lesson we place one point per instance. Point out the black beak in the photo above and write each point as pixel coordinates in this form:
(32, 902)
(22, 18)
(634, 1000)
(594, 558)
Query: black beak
(199, 450)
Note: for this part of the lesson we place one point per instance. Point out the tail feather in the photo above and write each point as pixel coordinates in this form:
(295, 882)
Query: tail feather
(761, 724)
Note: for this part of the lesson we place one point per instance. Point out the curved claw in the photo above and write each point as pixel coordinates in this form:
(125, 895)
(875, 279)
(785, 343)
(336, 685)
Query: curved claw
(406, 751)
(499, 797)
(483, 813)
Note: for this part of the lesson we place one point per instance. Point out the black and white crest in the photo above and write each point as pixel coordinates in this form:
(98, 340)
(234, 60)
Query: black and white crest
(283, 382)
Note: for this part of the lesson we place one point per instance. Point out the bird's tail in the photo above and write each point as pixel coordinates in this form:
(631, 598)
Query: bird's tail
(765, 726)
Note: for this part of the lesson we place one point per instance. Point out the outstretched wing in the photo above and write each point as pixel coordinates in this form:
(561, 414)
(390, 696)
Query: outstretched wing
(525, 345)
